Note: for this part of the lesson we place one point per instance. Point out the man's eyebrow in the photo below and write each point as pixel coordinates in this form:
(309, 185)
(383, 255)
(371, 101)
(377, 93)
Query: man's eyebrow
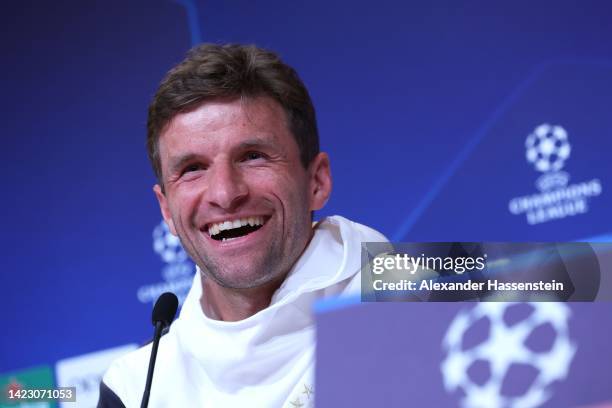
(256, 143)
(177, 163)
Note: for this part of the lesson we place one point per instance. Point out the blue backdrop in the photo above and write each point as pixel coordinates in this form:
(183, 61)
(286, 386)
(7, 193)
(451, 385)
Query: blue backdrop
(426, 109)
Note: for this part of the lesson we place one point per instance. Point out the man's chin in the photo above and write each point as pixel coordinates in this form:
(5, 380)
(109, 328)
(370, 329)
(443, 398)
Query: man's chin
(241, 278)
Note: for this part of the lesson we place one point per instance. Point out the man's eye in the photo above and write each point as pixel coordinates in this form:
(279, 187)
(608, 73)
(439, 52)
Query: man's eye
(192, 167)
(253, 156)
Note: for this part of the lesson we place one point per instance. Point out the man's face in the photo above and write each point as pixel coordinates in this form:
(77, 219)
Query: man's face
(236, 192)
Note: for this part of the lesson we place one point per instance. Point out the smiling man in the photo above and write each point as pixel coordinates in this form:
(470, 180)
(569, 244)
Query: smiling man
(235, 191)
(233, 141)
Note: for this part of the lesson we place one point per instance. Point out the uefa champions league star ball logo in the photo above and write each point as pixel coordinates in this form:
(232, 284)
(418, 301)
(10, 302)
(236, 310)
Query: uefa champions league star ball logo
(167, 246)
(177, 272)
(504, 346)
(548, 148)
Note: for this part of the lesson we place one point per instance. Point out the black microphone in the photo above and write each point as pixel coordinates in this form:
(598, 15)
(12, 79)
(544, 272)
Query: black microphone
(163, 314)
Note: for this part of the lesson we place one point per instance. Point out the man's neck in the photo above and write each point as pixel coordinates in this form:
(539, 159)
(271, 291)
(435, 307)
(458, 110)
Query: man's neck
(230, 305)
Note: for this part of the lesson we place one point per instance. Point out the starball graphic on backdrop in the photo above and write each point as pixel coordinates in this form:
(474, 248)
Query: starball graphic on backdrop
(177, 272)
(484, 370)
(547, 149)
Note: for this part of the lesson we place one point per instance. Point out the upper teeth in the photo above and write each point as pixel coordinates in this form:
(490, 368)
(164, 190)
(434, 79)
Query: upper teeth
(216, 228)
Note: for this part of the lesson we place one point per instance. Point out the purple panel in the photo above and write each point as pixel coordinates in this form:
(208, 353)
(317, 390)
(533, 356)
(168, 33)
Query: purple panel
(392, 354)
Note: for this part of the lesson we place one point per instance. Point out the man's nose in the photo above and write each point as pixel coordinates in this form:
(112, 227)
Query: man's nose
(226, 187)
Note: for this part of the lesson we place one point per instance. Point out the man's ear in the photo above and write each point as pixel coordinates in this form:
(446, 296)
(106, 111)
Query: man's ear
(320, 181)
(163, 206)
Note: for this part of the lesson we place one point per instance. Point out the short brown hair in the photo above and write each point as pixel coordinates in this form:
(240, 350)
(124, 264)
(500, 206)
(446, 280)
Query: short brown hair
(217, 71)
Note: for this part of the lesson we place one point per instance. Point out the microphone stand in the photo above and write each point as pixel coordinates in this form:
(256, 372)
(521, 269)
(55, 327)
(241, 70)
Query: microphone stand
(157, 335)
(162, 316)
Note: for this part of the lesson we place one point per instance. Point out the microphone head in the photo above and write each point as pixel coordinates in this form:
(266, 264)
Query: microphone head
(165, 309)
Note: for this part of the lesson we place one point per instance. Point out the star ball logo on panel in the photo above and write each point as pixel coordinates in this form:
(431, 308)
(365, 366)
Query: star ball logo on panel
(484, 371)
(548, 148)
(177, 272)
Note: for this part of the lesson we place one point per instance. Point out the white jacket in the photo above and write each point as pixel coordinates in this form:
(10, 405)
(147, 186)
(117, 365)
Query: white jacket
(266, 360)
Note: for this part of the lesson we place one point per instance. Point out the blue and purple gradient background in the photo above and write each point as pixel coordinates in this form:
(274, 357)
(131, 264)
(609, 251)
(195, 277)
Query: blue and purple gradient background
(423, 107)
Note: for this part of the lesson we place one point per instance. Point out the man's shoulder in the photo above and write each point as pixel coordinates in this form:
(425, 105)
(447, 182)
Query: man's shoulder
(126, 376)
(129, 363)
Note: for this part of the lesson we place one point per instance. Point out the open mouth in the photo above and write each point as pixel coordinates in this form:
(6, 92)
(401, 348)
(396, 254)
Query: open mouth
(228, 230)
